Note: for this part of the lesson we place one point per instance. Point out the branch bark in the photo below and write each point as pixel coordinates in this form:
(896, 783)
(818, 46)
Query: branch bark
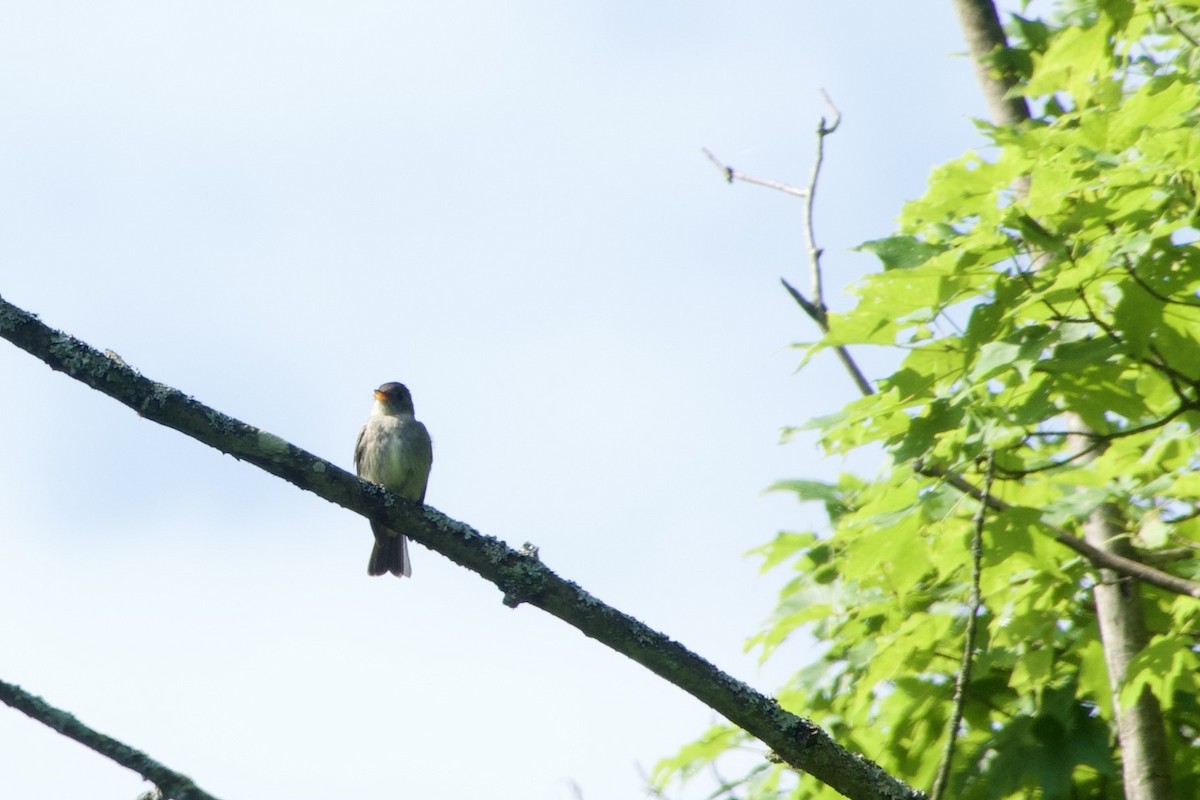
(519, 575)
(816, 279)
(1141, 729)
(981, 28)
(172, 784)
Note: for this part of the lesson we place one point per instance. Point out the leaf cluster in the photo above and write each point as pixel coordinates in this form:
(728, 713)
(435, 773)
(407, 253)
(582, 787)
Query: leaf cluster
(1043, 300)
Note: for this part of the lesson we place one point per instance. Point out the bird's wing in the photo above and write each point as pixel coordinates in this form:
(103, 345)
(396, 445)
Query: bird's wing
(358, 450)
(424, 459)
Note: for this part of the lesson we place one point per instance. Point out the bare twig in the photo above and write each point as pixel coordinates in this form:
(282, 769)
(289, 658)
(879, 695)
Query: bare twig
(171, 783)
(732, 175)
(824, 128)
(968, 652)
(815, 308)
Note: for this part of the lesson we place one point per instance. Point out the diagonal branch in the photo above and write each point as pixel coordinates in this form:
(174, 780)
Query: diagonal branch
(170, 783)
(521, 576)
(732, 175)
(1098, 557)
(819, 316)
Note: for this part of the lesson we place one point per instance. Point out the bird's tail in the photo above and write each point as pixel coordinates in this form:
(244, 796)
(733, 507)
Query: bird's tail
(390, 553)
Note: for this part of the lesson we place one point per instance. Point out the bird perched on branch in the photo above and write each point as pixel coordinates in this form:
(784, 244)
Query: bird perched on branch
(394, 451)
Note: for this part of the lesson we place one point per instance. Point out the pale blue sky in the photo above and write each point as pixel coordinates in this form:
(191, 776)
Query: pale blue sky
(277, 207)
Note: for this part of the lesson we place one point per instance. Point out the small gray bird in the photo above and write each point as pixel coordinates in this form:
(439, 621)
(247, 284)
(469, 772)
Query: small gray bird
(393, 450)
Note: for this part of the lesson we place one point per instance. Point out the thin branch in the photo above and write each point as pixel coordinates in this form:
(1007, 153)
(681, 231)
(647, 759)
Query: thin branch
(1166, 556)
(1099, 441)
(816, 308)
(521, 577)
(814, 253)
(1159, 363)
(1179, 28)
(1097, 444)
(170, 783)
(732, 175)
(1159, 296)
(968, 652)
(1098, 557)
(1132, 272)
(818, 316)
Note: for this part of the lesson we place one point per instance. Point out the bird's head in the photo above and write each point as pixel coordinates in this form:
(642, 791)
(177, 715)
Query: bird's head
(393, 399)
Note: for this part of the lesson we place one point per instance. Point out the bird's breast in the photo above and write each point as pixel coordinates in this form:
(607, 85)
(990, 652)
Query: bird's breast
(396, 453)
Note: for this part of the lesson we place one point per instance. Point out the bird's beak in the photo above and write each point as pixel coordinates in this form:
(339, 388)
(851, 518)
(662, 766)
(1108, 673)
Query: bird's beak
(380, 396)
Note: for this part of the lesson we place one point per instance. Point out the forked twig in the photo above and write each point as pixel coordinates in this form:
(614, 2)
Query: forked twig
(815, 308)
(824, 129)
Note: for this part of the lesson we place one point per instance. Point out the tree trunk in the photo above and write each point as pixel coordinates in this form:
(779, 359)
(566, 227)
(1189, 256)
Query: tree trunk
(1145, 765)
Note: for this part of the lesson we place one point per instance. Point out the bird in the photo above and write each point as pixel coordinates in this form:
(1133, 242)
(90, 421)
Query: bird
(393, 450)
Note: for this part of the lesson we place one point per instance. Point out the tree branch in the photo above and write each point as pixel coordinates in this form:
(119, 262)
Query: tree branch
(169, 782)
(1099, 558)
(520, 576)
(810, 236)
(732, 175)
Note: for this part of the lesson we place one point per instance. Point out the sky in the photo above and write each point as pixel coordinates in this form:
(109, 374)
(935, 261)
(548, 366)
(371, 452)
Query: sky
(276, 207)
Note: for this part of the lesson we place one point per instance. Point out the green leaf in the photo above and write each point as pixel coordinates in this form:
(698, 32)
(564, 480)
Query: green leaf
(1137, 316)
(806, 490)
(1165, 667)
(995, 357)
(900, 252)
(1034, 33)
(785, 547)
(1153, 532)
(697, 754)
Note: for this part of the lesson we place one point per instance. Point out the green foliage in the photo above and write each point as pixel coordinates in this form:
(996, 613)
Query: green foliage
(1056, 274)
